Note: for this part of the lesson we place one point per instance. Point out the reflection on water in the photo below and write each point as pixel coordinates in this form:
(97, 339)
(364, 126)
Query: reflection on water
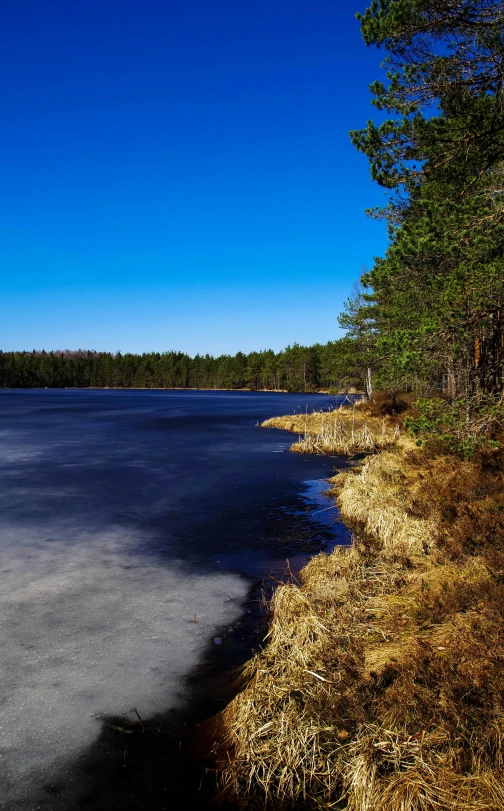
(130, 526)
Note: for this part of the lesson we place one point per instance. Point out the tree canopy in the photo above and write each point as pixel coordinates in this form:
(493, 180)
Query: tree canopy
(296, 368)
(434, 302)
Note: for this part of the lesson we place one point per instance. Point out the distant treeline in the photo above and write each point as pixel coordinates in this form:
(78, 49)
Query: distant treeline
(297, 368)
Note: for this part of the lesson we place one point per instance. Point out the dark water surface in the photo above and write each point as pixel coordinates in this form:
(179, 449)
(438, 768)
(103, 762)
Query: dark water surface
(133, 524)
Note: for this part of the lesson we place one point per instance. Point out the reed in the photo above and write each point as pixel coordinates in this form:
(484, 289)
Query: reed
(345, 431)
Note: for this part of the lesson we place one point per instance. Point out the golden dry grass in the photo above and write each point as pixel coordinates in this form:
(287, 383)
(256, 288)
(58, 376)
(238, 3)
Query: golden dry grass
(381, 683)
(347, 430)
(373, 498)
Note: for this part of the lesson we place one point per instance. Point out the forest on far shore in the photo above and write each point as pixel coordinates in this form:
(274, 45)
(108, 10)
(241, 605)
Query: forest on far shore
(296, 368)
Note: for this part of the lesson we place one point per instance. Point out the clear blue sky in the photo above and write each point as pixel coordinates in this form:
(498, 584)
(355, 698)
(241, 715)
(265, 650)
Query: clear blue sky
(178, 175)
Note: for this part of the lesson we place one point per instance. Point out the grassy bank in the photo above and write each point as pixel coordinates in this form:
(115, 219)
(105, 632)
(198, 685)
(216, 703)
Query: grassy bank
(347, 430)
(381, 683)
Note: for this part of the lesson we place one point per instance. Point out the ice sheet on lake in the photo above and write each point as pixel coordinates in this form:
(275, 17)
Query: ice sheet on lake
(87, 626)
(96, 615)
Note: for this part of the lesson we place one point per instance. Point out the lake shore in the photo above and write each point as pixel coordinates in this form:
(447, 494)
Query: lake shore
(352, 392)
(381, 685)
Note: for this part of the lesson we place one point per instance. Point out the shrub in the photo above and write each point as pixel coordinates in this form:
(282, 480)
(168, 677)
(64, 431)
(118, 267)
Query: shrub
(462, 427)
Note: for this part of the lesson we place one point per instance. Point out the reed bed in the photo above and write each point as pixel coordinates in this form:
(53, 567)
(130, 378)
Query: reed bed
(380, 686)
(344, 431)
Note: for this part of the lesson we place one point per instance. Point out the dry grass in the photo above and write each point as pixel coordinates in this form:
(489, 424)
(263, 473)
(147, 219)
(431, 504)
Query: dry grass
(381, 683)
(373, 498)
(346, 431)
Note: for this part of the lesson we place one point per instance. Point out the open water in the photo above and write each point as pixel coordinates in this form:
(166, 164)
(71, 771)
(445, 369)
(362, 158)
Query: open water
(132, 526)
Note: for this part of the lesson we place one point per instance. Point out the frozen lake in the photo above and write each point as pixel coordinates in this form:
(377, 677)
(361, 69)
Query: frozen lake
(131, 524)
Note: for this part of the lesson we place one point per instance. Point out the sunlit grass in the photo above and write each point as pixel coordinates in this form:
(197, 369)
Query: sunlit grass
(380, 686)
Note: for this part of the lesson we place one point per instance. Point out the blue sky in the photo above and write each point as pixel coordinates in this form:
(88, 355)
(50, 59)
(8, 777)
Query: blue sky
(178, 175)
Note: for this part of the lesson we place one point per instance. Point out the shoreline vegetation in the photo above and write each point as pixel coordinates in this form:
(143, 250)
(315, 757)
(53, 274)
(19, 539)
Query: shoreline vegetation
(340, 432)
(380, 686)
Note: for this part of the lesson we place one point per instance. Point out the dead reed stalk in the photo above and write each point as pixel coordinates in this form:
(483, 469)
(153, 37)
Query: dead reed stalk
(345, 431)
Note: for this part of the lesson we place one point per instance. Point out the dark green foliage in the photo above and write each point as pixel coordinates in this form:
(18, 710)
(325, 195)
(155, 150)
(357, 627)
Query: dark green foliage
(432, 307)
(296, 368)
(360, 344)
(443, 87)
(442, 424)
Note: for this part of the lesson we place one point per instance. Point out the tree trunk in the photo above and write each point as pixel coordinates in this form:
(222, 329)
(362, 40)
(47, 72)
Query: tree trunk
(368, 384)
